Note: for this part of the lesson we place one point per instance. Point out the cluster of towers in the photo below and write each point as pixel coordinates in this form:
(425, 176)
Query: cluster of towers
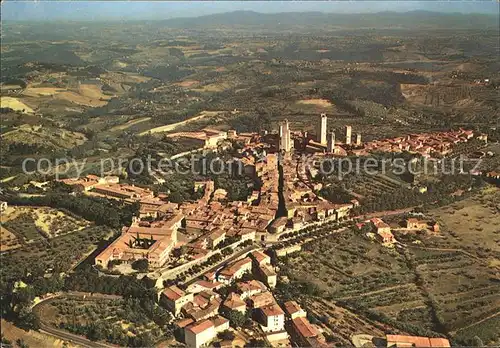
(286, 142)
(323, 137)
(329, 141)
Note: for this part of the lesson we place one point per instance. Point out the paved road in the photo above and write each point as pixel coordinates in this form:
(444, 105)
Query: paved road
(66, 336)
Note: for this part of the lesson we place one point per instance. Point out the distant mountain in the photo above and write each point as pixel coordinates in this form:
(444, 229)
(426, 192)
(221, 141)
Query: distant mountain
(320, 20)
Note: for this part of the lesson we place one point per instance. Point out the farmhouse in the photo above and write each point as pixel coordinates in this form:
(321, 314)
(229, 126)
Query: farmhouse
(416, 224)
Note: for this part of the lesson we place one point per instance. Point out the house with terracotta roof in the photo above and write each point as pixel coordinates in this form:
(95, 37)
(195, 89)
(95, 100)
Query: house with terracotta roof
(215, 237)
(200, 333)
(402, 341)
(209, 276)
(293, 310)
(278, 225)
(234, 303)
(303, 331)
(235, 270)
(261, 300)
(383, 231)
(203, 285)
(247, 234)
(271, 318)
(380, 225)
(174, 299)
(202, 307)
(415, 224)
(220, 323)
(267, 274)
(250, 288)
(260, 258)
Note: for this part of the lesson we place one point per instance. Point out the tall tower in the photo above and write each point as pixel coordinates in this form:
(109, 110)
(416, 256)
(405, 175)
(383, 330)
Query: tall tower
(348, 131)
(331, 142)
(285, 139)
(321, 129)
(358, 139)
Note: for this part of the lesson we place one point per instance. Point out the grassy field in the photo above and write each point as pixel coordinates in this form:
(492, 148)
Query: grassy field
(15, 104)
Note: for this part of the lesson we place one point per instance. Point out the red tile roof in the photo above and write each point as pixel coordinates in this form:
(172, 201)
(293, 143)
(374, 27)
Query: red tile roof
(304, 327)
(260, 256)
(184, 322)
(234, 301)
(272, 310)
(252, 285)
(173, 293)
(218, 321)
(292, 307)
(418, 341)
(200, 327)
(439, 342)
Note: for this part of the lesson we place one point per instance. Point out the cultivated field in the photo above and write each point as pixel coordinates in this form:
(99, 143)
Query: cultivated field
(15, 104)
(129, 124)
(473, 222)
(38, 223)
(46, 137)
(424, 288)
(464, 292)
(8, 240)
(342, 324)
(85, 94)
(365, 186)
(173, 126)
(124, 318)
(348, 264)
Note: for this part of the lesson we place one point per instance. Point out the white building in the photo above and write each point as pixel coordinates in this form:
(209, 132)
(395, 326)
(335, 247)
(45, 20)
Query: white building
(272, 318)
(200, 334)
(321, 130)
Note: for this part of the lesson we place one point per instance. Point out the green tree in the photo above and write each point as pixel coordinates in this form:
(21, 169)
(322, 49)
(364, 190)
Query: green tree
(226, 335)
(141, 265)
(236, 318)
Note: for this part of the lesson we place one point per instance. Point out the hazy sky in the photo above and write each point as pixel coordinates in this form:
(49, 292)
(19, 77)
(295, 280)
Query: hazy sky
(79, 10)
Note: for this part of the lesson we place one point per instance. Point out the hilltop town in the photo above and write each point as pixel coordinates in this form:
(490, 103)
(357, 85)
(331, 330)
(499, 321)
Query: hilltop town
(214, 261)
